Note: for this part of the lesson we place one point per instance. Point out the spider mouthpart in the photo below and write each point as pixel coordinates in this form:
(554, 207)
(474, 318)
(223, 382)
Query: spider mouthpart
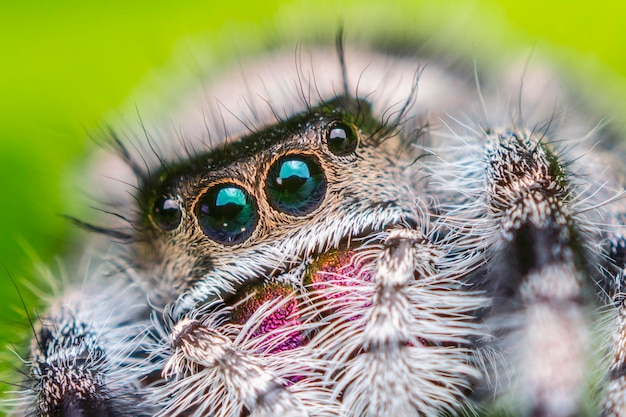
(285, 314)
(335, 269)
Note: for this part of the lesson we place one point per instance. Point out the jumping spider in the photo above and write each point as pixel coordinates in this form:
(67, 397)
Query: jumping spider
(351, 234)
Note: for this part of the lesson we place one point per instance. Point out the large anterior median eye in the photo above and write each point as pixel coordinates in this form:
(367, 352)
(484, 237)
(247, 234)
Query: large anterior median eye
(227, 214)
(296, 184)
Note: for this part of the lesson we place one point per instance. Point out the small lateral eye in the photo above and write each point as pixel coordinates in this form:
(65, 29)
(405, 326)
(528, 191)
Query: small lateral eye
(341, 138)
(296, 184)
(227, 214)
(167, 213)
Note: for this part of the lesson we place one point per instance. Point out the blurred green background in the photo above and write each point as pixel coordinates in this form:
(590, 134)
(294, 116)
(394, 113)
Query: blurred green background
(67, 66)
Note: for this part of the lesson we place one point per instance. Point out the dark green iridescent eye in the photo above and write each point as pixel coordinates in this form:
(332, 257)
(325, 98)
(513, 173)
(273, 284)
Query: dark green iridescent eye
(296, 184)
(167, 213)
(227, 214)
(341, 138)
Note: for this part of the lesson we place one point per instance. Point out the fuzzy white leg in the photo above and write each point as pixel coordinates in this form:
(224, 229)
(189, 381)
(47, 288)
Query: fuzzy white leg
(218, 370)
(86, 354)
(554, 341)
(404, 356)
(539, 270)
(614, 401)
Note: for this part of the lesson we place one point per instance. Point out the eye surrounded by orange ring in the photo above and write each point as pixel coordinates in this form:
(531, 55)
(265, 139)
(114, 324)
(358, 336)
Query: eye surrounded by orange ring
(227, 214)
(296, 184)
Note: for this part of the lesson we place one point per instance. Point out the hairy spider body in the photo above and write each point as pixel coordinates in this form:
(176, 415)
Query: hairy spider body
(361, 235)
